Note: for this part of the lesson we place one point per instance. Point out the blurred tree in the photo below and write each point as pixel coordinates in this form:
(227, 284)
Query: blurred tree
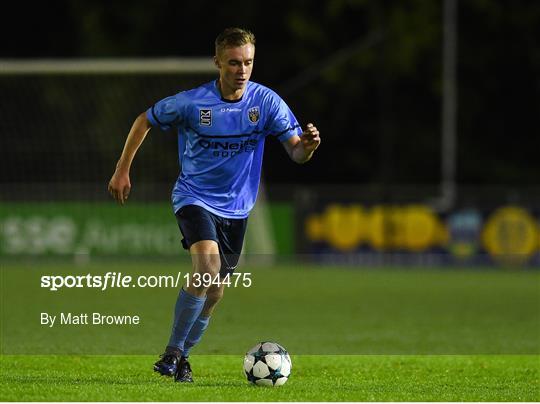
(499, 76)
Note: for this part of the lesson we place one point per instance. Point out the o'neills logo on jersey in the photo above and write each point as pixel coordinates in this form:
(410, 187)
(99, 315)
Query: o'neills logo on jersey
(205, 117)
(228, 149)
(254, 114)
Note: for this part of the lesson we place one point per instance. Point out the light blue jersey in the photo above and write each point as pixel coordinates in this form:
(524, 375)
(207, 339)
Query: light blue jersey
(221, 144)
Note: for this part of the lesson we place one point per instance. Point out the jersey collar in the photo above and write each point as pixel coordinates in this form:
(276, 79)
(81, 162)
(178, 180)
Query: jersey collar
(218, 93)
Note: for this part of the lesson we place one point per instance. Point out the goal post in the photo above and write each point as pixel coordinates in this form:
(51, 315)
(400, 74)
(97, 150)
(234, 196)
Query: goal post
(159, 66)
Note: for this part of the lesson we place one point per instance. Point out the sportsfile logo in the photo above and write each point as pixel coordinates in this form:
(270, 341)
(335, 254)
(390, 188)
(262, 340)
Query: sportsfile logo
(228, 149)
(205, 117)
(112, 280)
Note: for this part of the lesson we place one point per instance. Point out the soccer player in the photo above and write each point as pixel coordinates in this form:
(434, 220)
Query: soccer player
(222, 126)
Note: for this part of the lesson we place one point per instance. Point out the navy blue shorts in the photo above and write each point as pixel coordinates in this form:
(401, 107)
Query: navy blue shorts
(196, 224)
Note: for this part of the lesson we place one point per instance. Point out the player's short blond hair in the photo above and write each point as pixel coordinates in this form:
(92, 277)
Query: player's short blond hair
(232, 38)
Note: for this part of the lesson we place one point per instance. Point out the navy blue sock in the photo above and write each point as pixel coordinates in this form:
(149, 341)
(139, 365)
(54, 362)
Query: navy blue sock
(186, 311)
(195, 334)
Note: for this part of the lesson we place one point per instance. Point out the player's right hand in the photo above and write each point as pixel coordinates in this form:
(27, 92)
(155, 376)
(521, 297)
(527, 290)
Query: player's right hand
(119, 187)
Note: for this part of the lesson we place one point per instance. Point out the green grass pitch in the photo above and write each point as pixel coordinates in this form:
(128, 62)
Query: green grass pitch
(354, 335)
(314, 378)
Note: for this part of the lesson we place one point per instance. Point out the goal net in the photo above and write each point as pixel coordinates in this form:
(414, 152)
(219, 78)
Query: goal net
(63, 125)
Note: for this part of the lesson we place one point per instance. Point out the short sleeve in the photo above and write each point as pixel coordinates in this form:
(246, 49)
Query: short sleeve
(283, 124)
(166, 113)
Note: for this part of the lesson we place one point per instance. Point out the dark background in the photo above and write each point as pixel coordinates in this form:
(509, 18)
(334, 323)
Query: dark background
(375, 91)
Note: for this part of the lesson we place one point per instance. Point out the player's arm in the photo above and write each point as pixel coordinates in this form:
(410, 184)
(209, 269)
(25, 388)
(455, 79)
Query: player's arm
(301, 148)
(119, 185)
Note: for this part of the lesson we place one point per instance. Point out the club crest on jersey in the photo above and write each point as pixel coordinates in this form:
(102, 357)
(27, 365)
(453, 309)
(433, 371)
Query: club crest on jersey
(254, 115)
(205, 117)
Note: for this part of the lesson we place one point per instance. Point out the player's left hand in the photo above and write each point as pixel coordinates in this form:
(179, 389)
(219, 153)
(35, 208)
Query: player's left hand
(310, 138)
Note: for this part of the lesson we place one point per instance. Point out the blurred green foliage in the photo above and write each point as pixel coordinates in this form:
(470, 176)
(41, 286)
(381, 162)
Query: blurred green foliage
(377, 103)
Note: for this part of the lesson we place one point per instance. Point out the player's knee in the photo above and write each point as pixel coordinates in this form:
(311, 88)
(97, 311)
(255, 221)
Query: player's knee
(207, 264)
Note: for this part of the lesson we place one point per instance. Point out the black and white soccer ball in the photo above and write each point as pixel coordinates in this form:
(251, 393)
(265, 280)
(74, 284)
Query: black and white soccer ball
(267, 364)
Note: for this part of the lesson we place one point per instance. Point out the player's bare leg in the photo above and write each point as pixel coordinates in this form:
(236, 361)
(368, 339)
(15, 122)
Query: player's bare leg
(213, 295)
(205, 259)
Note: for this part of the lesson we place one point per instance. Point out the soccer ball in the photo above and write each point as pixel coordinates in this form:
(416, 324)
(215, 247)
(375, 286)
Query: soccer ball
(267, 364)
